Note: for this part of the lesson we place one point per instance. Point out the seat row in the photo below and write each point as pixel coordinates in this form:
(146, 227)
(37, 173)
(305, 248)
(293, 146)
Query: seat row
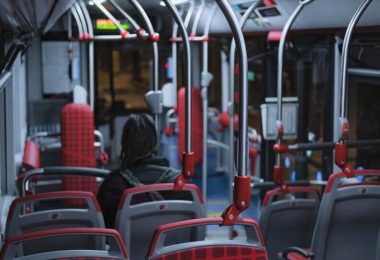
(136, 219)
(284, 222)
(346, 215)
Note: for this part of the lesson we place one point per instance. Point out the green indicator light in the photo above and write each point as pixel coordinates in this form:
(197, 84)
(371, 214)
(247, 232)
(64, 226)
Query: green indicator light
(251, 76)
(108, 25)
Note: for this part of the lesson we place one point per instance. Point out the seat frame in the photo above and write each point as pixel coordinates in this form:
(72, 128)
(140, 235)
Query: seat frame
(154, 209)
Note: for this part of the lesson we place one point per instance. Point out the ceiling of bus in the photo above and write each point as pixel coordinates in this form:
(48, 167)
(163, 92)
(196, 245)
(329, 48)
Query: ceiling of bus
(40, 15)
(31, 15)
(333, 14)
(319, 14)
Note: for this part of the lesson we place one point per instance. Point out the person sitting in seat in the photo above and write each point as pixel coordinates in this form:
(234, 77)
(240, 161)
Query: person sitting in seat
(139, 165)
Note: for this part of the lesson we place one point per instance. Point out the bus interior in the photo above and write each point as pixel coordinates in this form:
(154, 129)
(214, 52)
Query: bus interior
(258, 104)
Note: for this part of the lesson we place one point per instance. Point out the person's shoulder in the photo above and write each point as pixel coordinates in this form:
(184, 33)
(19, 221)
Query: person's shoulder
(154, 164)
(158, 160)
(153, 172)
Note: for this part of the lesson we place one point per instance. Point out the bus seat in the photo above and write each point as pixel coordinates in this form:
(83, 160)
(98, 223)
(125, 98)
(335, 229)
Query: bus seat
(378, 246)
(32, 157)
(288, 221)
(252, 247)
(50, 179)
(77, 138)
(196, 124)
(348, 223)
(49, 211)
(138, 217)
(13, 247)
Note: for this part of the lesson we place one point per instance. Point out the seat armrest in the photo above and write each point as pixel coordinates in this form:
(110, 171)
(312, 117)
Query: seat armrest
(297, 253)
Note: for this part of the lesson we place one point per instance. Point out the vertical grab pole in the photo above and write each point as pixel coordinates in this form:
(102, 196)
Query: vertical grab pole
(206, 34)
(78, 22)
(83, 46)
(188, 155)
(69, 26)
(70, 35)
(242, 22)
(277, 170)
(81, 32)
(341, 146)
(91, 55)
(345, 50)
(82, 20)
(175, 41)
(189, 14)
(242, 181)
(197, 18)
(175, 54)
(205, 82)
(154, 37)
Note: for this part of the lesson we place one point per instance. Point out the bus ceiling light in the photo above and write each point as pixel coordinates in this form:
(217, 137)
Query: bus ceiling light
(175, 2)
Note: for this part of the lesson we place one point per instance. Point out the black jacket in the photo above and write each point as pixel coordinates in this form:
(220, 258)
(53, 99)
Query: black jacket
(114, 184)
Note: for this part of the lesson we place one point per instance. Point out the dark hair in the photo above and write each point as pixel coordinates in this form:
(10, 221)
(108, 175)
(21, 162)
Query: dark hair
(139, 140)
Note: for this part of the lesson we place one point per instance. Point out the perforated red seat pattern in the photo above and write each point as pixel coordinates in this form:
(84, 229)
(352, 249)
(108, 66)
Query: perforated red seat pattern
(217, 253)
(77, 137)
(196, 124)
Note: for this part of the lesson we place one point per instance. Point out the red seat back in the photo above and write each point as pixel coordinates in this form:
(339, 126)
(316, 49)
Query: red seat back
(114, 249)
(31, 158)
(252, 247)
(77, 138)
(230, 252)
(284, 212)
(137, 219)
